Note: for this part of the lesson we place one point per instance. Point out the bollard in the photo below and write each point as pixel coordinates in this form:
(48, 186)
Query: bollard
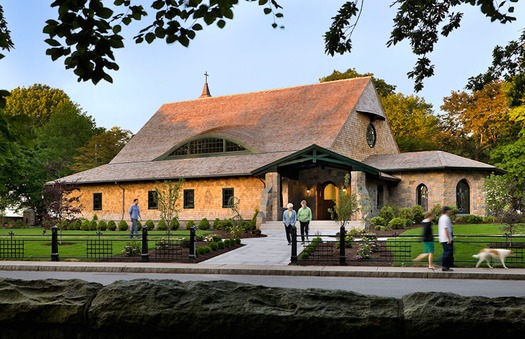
(145, 254)
(293, 259)
(192, 242)
(342, 254)
(54, 243)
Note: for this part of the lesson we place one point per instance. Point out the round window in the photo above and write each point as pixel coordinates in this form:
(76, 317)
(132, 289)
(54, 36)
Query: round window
(371, 135)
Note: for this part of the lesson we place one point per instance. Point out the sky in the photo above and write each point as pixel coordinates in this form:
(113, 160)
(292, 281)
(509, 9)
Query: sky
(248, 55)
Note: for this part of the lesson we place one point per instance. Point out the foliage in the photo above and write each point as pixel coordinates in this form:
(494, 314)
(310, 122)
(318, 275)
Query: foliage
(406, 213)
(150, 224)
(383, 89)
(478, 120)
(417, 214)
(112, 226)
(213, 237)
(93, 224)
(132, 249)
(174, 224)
(100, 149)
(378, 221)
(397, 223)
(413, 123)
(345, 206)
(308, 250)
(167, 196)
(161, 225)
(62, 202)
(367, 246)
(388, 212)
(102, 225)
(204, 224)
(190, 224)
(203, 250)
(123, 225)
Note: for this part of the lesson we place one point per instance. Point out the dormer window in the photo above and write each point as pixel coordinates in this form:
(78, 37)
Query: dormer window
(207, 146)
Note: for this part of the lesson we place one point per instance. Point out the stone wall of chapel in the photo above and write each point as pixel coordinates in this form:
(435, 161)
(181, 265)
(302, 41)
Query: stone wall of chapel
(207, 193)
(441, 189)
(351, 141)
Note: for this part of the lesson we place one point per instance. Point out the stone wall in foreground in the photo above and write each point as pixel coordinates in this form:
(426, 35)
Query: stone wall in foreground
(221, 309)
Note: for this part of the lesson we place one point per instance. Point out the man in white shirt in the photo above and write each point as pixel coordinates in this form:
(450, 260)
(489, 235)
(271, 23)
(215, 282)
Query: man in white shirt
(446, 238)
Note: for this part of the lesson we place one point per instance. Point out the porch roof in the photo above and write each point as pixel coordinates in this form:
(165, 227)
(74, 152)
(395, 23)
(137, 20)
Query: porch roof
(313, 156)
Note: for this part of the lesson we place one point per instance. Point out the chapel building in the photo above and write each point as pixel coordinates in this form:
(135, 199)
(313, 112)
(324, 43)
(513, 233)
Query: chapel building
(272, 147)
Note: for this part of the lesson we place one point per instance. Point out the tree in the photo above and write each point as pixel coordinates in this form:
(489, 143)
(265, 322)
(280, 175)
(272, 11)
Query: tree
(61, 203)
(383, 89)
(345, 206)
(38, 102)
(479, 119)
(86, 33)
(101, 149)
(167, 196)
(413, 122)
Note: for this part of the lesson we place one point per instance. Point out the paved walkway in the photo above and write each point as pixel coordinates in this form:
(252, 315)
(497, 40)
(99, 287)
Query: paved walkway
(268, 255)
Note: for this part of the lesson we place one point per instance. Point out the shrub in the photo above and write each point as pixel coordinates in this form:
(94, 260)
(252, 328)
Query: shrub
(380, 228)
(93, 225)
(174, 224)
(190, 224)
(123, 225)
(199, 237)
(95, 216)
(378, 221)
(406, 213)
(213, 237)
(85, 225)
(184, 242)
(217, 224)
(388, 212)
(75, 225)
(204, 224)
(418, 213)
(220, 244)
(237, 241)
(132, 248)
(473, 219)
(489, 219)
(397, 223)
(102, 225)
(214, 246)
(150, 224)
(112, 226)
(161, 225)
(227, 242)
(203, 250)
(253, 221)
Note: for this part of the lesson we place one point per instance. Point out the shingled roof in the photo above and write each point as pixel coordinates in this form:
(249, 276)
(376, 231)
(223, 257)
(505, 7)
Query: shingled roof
(283, 120)
(426, 160)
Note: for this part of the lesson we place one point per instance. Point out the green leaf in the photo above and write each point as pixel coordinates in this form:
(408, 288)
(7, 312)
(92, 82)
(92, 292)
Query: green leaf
(150, 37)
(104, 13)
(267, 10)
(117, 29)
(221, 23)
(52, 42)
(197, 27)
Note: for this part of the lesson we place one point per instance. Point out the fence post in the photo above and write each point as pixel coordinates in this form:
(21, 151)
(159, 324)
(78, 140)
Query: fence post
(192, 242)
(293, 259)
(342, 243)
(54, 243)
(145, 254)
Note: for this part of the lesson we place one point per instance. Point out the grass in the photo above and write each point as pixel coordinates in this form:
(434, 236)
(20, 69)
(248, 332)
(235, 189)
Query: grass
(72, 244)
(468, 240)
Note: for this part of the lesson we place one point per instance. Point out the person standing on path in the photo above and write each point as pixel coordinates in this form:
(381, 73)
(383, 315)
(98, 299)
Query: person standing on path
(446, 238)
(304, 215)
(289, 219)
(134, 214)
(428, 240)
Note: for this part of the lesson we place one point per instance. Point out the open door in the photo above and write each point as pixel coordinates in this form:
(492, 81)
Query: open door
(326, 195)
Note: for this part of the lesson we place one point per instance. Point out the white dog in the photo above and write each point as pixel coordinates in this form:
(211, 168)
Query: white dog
(488, 253)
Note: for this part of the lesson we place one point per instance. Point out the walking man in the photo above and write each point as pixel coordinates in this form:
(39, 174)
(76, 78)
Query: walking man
(134, 214)
(446, 238)
(304, 215)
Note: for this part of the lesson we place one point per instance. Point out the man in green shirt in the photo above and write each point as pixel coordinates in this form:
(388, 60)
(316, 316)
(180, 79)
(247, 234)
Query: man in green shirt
(304, 215)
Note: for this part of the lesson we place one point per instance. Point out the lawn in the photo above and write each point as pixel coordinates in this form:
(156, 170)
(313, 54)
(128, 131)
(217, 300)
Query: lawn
(72, 244)
(468, 240)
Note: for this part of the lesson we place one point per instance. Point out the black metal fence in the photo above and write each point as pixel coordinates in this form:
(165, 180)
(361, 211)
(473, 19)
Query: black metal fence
(99, 246)
(394, 249)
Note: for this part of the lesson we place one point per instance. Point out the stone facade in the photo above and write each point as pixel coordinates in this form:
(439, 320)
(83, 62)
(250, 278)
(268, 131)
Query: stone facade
(116, 199)
(441, 188)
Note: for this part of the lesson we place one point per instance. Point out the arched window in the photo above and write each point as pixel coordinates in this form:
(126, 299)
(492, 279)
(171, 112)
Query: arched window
(207, 146)
(463, 197)
(422, 196)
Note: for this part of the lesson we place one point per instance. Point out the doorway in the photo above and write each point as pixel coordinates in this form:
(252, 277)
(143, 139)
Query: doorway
(325, 199)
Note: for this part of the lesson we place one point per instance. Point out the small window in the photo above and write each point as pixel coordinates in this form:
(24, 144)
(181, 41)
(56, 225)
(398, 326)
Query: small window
(152, 200)
(422, 196)
(463, 197)
(97, 201)
(189, 199)
(227, 193)
(380, 193)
